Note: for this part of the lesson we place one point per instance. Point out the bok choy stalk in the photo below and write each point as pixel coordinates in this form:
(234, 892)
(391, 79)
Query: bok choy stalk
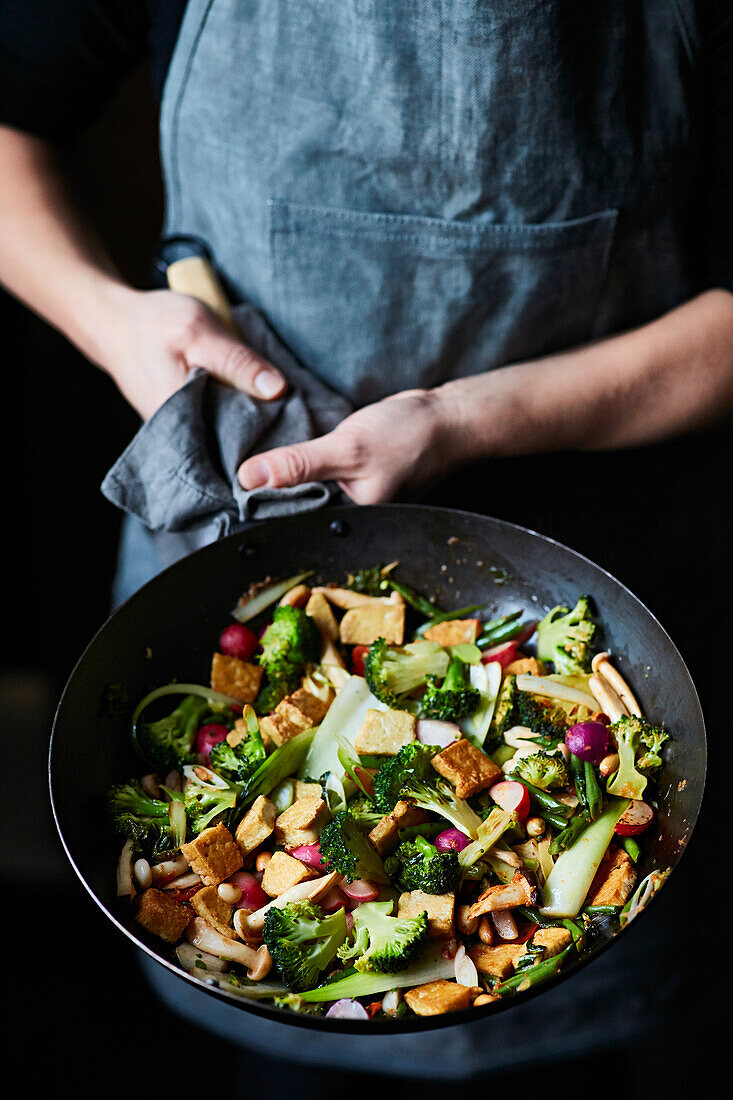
(278, 766)
(249, 606)
(342, 723)
(430, 968)
(570, 878)
(487, 679)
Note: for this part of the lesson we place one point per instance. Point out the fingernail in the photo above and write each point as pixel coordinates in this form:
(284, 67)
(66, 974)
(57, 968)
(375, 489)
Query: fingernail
(267, 383)
(255, 474)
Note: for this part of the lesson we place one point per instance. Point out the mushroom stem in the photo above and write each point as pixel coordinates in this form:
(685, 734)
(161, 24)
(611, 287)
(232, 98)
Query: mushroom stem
(602, 665)
(206, 938)
(607, 698)
(253, 923)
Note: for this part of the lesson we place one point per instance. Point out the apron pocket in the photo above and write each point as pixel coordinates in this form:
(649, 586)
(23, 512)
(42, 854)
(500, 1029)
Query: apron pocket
(378, 303)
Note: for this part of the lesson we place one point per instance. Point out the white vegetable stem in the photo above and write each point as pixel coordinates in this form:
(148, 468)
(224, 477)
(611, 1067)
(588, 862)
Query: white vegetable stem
(544, 685)
(345, 717)
(487, 679)
(569, 881)
(247, 609)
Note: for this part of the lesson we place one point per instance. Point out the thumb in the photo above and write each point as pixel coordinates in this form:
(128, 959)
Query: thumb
(231, 361)
(294, 465)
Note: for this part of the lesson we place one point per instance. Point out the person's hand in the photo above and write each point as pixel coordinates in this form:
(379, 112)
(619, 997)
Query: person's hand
(402, 442)
(152, 340)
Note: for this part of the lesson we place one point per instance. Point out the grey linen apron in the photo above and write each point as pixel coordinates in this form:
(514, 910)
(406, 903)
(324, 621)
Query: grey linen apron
(410, 191)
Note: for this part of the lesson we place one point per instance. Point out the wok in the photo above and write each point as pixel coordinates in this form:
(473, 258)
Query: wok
(169, 629)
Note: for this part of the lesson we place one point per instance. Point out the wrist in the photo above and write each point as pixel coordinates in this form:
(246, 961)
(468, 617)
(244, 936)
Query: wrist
(99, 328)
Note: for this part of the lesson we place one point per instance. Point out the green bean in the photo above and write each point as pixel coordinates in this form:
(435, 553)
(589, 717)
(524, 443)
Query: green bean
(409, 595)
(593, 792)
(446, 616)
(601, 910)
(500, 630)
(632, 848)
(543, 799)
(570, 833)
(578, 773)
(540, 972)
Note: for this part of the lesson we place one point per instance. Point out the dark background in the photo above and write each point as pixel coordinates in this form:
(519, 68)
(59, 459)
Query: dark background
(659, 518)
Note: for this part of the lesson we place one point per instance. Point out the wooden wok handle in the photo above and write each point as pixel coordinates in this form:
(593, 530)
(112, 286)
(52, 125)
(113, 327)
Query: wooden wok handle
(195, 276)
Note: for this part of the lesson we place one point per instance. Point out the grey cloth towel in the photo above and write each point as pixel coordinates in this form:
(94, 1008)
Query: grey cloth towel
(179, 473)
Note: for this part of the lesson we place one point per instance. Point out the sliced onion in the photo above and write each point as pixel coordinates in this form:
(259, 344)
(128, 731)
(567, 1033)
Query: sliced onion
(125, 885)
(465, 968)
(347, 1010)
(204, 777)
(248, 607)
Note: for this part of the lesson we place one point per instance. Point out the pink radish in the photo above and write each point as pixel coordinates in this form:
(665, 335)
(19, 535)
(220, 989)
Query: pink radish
(253, 896)
(451, 840)
(504, 654)
(347, 1010)
(207, 737)
(637, 817)
(431, 731)
(310, 854)
(238, 640)
(588, 741)
(334, 900)
(511, 796)
(360, 890)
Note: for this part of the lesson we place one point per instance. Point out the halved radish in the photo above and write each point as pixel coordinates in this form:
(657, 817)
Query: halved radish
(360, 890)
(333, 901)
(504, 653)
(511, 796)
(635, 819)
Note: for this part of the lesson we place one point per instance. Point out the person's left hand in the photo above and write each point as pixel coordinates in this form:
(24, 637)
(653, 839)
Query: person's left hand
(402, 442)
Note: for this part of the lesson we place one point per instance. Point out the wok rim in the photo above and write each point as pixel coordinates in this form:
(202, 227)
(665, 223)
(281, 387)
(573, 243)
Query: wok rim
(407, 1024)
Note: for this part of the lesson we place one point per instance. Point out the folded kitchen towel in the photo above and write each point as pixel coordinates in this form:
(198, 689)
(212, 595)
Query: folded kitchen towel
(179, 473)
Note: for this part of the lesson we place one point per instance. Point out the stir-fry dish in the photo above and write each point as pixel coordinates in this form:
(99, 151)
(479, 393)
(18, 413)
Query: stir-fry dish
(379, 807)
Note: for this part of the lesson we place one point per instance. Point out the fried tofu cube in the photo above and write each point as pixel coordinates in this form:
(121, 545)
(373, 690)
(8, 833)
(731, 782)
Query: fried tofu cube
(467, 768)
(282, 725)
(305, 789)
(385, 732)
(439, 908)
(498, 962)
(282, 872)
(614, 883)
(439, 997)
(206, 903)
(213, 855)
(314, 709)
(256, 825)
(320, 611)
(386, 833)
(234, 677)
(554, 940)
(455, 632)
(525, 666)
(162, 915)
(301, 823)
(380, 618)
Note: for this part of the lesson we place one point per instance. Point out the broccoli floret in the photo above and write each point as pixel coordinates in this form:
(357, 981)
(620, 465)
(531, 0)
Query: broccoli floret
(393, 673)
(565, 637)
(291, 642)
(385, 944)
(345, 849)
(439, 798)
(240, 761)
(371, 582)
(168, 743)
(504, 711)
(454, 699)
(145, 820)
(363, 811)
(418, 865)
(652, 737)
(412, 761)
(542, 770)
(542, 716)
(303, 940)
(204, 803)
(628, 782)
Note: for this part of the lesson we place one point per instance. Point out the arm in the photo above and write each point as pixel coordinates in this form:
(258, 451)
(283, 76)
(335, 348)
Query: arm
(666, 377)
(146, 340)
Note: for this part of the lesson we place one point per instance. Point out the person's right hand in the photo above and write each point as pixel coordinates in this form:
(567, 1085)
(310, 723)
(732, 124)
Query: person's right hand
(154, 339)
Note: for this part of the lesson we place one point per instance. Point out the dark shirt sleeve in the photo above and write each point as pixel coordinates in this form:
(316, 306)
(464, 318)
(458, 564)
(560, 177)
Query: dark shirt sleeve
(61, 60)
(716, 161)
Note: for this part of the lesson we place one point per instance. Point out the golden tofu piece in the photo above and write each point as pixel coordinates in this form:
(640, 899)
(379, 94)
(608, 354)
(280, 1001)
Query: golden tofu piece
(467, 768)
(525, 666)
(314, 709)
(304, 789)
(234, 677)
(282, 872)
(386, 833)
(615, 880)
(320, 611)
(380, 618)
(498, 961)
(385, 732)
(206, 903)
(162, 915)
(554, 940)
(455, 632)
(301, 823)
(435, 998)
(278, 727)
(256, 825)
(439, 908)
(213, 855)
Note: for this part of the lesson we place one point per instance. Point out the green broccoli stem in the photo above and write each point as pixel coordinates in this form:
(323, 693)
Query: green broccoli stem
(556, 812)
(593, 792)
(456, 677)
(570, 833)
(632, 848)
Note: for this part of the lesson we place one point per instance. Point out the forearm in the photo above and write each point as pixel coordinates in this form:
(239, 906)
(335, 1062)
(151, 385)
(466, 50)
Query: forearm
(666, 377)
(49, 256)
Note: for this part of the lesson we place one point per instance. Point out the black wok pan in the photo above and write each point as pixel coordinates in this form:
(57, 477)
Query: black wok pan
(169, 629)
